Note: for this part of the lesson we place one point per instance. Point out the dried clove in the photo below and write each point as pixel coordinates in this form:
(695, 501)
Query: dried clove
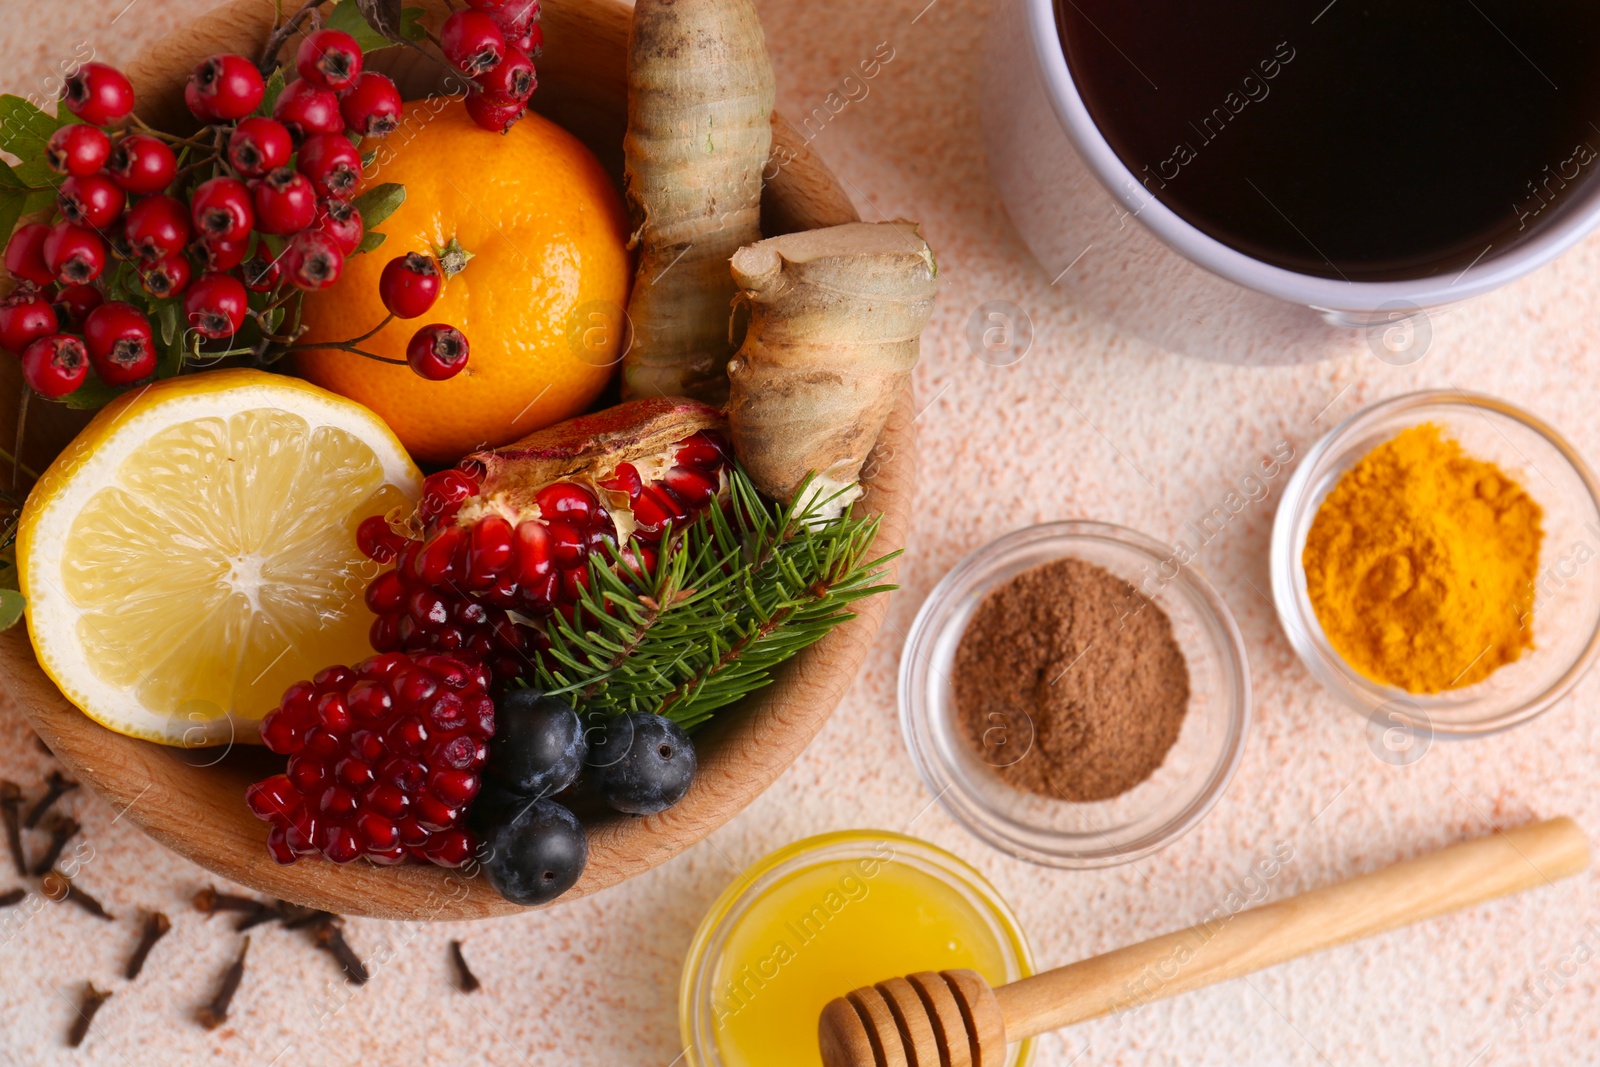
(277, 911)
(10, 800)
(62, 829)
(311, 917)
(215, 1014)
(58, 887)
(55, 785)
(13, 897)
(92, 999)
(466, 981)
(156, 926)
(329, 937)
(208, 900)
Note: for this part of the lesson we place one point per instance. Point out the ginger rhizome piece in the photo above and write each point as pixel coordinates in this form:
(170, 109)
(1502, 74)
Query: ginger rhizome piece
(700, 94)
(836, 318)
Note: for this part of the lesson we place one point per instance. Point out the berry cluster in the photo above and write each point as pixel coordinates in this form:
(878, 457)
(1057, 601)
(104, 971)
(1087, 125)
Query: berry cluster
(384, 759)
(225, 229)
(452, 589)
(494, 43)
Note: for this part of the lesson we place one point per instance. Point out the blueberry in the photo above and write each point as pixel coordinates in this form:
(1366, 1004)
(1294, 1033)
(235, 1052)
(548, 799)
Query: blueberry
(539, 747)
(642, 763)
(535, 854)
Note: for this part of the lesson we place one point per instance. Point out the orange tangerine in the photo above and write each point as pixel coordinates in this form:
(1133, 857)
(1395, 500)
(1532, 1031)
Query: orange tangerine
(539, 301)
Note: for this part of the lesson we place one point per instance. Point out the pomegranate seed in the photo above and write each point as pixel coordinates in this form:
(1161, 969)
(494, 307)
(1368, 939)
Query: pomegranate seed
(427, 609)
(386, 800)
(571, 503)
(443, 494)
(433, 814)
(272, 798)
(370, 701)
(625, 480)
(377, 540)
(691, 488)
(452, 848)
(278, 846)
(378, 834)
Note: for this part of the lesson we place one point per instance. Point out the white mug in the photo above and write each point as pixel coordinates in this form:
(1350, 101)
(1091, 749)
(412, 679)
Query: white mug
(1100, 234)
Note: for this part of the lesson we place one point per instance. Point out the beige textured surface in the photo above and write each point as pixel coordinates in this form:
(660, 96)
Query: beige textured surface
(1088, 424)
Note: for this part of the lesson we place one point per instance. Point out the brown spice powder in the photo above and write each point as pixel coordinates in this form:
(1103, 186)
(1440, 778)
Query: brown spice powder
(1069, 683)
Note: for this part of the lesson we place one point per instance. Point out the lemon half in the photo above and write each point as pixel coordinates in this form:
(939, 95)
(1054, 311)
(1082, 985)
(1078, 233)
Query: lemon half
(193, 552)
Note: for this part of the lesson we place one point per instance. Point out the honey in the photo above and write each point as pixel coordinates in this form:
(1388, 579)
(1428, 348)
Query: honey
(826, 916)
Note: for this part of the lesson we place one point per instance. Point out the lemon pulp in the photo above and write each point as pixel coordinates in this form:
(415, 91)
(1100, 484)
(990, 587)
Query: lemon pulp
(195, 554)
(826, 930)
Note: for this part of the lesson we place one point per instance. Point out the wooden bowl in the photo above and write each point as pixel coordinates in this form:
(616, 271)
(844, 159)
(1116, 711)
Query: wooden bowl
(192, 801)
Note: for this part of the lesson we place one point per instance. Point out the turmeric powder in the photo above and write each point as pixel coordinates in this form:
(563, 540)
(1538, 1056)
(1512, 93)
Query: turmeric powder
(1421, 564)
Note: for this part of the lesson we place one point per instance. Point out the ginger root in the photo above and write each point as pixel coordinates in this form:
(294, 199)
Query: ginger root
(836, 317)
(700, 93)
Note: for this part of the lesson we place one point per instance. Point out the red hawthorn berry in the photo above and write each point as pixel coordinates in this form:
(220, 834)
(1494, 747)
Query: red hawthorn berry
(261, 271)
(371, 107)
(78, 149)
(340, 220)
(167, 276)
(157, 227)
(74, 303)
(285, 202)
(120, 343)
(215, 305)
(220, 256)
(142, 164)
(329, 59)
(437, 352)
(54, 366)
(471, 42)
(259, 145)
(410, 285)
(227, 87)
(93, 200)
(305, 109)
(331, 162)
(98, 94)
(312, 261)
(493, 116)
(25, 316)
(25, 254)
(516, 18)
(512, 81)
(222, 210)
(74, 253)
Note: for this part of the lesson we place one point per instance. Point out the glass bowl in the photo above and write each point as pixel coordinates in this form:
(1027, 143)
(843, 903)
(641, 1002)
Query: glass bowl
(1060, 833)
(1566, 613)
(712, 988)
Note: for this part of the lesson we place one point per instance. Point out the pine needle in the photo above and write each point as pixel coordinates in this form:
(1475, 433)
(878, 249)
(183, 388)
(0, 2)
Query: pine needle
(730, 599)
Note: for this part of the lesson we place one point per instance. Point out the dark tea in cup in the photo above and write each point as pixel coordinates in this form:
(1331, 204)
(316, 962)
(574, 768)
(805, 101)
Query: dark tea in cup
(1355, 139)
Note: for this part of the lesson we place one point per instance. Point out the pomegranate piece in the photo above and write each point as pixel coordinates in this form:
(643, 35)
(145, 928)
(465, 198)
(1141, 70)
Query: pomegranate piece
(384, 759)
(504, 541)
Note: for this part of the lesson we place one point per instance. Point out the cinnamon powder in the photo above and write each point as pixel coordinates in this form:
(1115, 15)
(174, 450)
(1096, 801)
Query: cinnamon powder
(1069, 683)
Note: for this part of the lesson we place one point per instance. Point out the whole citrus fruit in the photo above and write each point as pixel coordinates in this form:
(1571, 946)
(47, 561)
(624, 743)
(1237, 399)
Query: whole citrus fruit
(548, 277)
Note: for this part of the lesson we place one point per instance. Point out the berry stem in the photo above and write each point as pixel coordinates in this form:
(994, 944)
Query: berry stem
(171, 138)
(269, 54)
(22, 425)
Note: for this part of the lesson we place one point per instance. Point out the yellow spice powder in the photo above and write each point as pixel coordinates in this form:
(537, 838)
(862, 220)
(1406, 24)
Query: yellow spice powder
(1421, 564)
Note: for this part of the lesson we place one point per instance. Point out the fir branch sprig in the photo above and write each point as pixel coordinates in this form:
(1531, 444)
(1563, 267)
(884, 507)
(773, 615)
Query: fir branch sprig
(730, 599)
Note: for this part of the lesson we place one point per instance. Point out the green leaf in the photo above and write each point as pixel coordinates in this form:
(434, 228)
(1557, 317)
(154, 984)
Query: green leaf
(378, 203)
(275, 87)
(168, 319)
(370, 242)
(24, 129)
(92, 395)
(64, 114)
(376, 24)
(11, 605)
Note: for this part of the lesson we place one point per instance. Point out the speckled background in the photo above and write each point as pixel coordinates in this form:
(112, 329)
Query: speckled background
(1088, 424)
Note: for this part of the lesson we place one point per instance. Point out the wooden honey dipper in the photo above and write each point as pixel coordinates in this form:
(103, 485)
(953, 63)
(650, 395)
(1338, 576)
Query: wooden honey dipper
(954, 1019)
